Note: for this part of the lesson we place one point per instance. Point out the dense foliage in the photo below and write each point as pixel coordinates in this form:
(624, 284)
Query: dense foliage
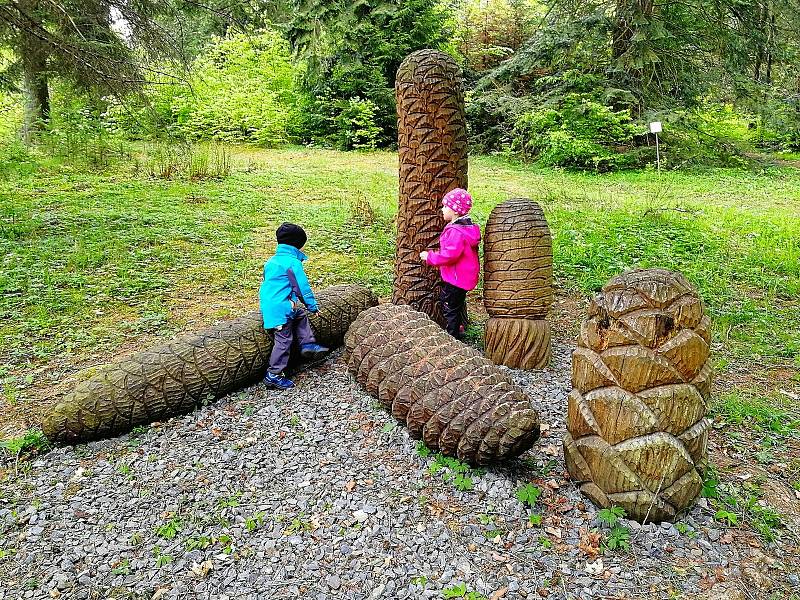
(570, 83)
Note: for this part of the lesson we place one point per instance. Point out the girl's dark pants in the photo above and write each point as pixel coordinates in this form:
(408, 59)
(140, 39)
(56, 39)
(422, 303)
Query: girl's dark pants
(454, 301)
(297, 328)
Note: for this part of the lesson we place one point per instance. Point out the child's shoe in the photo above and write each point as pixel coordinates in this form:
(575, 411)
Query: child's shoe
(313, 351)
(278, 381)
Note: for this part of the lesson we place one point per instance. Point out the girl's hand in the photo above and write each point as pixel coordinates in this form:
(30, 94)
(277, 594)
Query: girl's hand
(424, 256)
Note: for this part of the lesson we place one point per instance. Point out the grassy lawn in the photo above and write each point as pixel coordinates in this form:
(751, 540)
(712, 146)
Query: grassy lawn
(92, 261)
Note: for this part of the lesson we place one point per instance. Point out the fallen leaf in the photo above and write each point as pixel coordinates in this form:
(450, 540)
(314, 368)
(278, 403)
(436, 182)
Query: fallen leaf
(159, 593)
(727, 538)
(595, 568)
(543, 592)
(350, 485)
(554, 531)
(590, 544)
(497, 594)
(500, 557)
(550, 450)
(202, 569)
(281, 434)
(216, 431)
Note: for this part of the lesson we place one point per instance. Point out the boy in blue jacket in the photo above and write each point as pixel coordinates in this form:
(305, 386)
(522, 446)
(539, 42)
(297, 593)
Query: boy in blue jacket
(283, 291)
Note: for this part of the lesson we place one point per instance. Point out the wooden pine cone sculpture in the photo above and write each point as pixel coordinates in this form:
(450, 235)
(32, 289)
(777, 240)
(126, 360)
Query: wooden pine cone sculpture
(518, 285)
(444, 391)
(432, 146)
(176, 377)
(637, 427)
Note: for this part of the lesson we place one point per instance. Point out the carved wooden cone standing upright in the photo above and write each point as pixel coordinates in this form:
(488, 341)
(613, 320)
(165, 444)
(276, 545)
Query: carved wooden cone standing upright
(432, 144)
(637, 427)
(518, 285)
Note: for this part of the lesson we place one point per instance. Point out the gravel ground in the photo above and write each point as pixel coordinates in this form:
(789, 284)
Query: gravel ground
(314, 493)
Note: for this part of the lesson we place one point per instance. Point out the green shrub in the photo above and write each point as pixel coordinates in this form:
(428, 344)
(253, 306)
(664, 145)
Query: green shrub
(242, 89)
(355, 127)
(579, 133)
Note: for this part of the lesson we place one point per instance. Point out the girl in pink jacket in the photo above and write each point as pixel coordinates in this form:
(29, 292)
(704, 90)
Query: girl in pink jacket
(457, 259)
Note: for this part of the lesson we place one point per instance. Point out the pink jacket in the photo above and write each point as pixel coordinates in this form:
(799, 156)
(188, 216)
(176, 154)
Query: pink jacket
(457, 257)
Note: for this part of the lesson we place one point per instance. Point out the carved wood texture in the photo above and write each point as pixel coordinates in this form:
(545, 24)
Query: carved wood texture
(637, 427)
(176, 377)
(444, 391)
(432, 144)
(518, 284)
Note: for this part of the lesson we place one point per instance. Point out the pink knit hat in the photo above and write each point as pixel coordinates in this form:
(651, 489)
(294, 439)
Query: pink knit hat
(458, 200)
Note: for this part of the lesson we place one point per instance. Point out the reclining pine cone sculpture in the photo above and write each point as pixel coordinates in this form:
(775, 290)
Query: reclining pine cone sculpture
(444, 391)
(432, 146)
(637, 427)
(176, 377)
(518, 285)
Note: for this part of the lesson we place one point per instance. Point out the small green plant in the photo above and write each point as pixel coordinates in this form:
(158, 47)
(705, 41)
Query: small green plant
(389, 427)
(545, 542)
(420, 580)
(461, 591)
(528, 494)
(170, 529)
(422, 450)
(535, 519)
(198, 543)
(136, 538)
(619, 537)
(34, 441)
(493, 534)
(124, 469)
(254, 522)
(122, 568)
(31, 584)
(726, 516)
(294, 421)
(451, 469)
(230, 501)
(611, 516)
(226, 542)
(684, 529)
(299, 524)
(249, 410)
(164, 559)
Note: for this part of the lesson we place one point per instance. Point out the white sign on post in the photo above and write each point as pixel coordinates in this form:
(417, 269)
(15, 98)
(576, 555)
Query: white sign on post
(655, 128)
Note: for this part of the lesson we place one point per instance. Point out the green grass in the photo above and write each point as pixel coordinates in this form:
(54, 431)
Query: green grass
(93, 259)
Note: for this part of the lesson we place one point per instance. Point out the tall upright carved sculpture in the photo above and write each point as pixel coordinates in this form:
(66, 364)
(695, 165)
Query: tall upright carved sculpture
(518, 285)
(637, 427)
(432, 143)
(176, 377)
(444, 391)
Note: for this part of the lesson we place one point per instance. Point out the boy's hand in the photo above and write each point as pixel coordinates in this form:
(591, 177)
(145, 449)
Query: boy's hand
(424, 256)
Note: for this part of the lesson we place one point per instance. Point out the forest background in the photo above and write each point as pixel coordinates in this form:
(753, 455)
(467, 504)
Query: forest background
(562, 82)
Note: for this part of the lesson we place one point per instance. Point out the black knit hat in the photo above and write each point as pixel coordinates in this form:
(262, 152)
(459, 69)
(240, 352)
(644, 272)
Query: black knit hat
(289, 233)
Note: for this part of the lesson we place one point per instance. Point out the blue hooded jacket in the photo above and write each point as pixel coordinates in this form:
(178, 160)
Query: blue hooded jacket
(285, 283)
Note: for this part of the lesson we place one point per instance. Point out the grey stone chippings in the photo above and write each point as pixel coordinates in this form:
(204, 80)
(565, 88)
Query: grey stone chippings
(305, 494)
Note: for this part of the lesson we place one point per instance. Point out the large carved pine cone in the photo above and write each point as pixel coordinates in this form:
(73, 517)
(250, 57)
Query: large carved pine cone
(518, 284)
(444, 391)
(517, 261)
(637, 427)
(176, 377)
(432, 145)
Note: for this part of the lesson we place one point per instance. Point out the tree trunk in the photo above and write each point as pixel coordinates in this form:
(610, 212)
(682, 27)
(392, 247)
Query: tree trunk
(627, 13)
(34, 85)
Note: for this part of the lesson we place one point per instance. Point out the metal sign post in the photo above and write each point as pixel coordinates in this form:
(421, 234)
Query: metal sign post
(655, 128)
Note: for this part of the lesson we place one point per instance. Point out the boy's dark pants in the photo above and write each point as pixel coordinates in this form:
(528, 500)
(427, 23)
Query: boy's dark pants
(297, 328)
(454, 301)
